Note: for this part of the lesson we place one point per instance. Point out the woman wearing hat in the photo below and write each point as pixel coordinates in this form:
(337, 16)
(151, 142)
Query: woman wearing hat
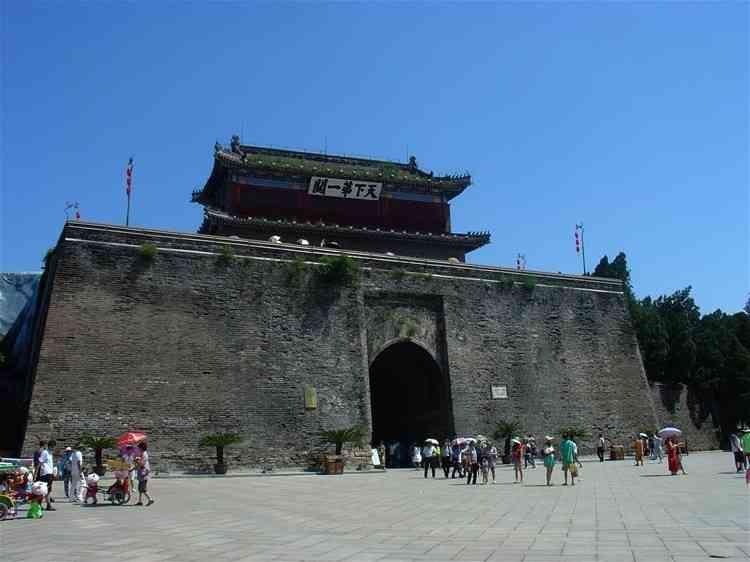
(549, 458)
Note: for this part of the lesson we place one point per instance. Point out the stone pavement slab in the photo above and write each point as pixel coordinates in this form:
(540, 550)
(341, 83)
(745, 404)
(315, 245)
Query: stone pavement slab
(616, 512)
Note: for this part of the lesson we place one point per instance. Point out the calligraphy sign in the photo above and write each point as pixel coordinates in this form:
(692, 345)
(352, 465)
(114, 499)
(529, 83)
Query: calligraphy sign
(346, 189)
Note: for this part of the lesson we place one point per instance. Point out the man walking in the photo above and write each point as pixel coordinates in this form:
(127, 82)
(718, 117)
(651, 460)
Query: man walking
(600, 447)
(737, 452)
(47, 471)
(76, 466)
(472, 463)
(428, 458)
(658, 441)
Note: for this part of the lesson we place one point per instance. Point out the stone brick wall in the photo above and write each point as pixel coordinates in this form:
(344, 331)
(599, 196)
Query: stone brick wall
(185, 345)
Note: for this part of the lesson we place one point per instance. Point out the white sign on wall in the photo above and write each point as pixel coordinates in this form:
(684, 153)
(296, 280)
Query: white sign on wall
(499, 392)
(346, 189)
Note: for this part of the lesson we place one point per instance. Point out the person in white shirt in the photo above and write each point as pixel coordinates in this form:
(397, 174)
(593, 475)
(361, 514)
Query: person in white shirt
(47, 472)
(428, 458)
(600, 447)
(658, 448)
(76, 467)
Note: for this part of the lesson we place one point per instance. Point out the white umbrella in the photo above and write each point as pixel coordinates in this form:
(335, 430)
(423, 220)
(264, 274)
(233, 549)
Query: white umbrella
(669, 432)
(515, 440)
(642, 435)
(432, 441)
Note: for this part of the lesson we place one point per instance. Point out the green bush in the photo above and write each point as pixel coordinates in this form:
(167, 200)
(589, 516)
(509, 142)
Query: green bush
(505, 284)
(339, 270)
(225, 255)
(529, 284)
(398, 274)
(220, 440)
(148, 251)
(296, 271)
(340, 437)
(577, 433)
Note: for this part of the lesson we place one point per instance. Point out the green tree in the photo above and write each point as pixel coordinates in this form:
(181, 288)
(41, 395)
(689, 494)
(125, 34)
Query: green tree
(652, 338)
(680, 317)
(98, 444)
(340, 437)
(506, 429)
(617, 269)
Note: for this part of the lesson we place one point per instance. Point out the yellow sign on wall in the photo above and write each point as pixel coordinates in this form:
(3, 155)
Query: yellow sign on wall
(311, 398)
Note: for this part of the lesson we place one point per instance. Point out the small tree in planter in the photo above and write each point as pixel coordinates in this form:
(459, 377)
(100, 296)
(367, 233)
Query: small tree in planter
(506, 430)
(98, 444)
(220, 440)
(339, 438)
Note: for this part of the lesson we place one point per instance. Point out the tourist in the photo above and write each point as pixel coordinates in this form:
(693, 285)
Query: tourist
(491, 456)
(63, 470)
(657, 448)
(128, 455)
(673, 456)
(457, 460)
(567, 454)
(46, 471)
(446, 457)
(143, 471)
(529, 452)
(516, 454)
(381, 454)
(549, 458)
(600, 446)
(471, 463)
(428, 458)
(35, 460)
(638, 450)
(416, 456)
(737, 452)
(745, 441)
(76, 475)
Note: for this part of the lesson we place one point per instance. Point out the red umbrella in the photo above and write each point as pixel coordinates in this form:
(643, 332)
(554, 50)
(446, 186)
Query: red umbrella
(131, 438)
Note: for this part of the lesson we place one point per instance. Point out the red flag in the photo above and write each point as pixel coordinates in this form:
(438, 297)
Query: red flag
(129, 177)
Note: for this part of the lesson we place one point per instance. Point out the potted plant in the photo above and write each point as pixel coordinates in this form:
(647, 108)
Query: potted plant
(98, 444)
(220, 440)
(339, 438)
(506, 430)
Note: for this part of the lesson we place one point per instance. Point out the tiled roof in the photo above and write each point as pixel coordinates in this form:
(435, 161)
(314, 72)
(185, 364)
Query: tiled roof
(312, 164)
(469, 239)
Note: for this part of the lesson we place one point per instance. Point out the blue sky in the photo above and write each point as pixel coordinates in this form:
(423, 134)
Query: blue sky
(630, 117)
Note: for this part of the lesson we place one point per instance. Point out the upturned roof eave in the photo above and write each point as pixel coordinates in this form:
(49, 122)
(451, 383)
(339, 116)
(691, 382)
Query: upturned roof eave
(469, 240)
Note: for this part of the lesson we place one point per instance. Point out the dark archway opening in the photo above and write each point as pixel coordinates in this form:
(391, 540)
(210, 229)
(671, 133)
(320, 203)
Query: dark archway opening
(410, 401)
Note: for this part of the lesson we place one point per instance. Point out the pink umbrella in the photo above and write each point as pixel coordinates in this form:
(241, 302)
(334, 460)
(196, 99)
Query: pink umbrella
(130, 438)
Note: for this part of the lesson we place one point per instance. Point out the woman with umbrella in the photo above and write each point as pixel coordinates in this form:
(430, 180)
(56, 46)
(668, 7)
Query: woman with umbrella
(674, 463)
(429, 455)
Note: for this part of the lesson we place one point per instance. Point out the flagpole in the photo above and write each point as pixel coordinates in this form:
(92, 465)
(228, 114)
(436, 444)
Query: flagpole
(128, 187)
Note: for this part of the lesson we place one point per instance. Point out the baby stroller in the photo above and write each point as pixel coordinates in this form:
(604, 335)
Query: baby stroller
(119, 492)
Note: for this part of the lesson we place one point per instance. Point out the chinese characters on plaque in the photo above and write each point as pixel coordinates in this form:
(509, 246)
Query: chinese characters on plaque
(499, 392)
(348, 189)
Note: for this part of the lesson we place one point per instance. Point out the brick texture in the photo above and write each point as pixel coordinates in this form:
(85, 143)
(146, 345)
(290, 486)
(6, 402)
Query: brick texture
(185, 344)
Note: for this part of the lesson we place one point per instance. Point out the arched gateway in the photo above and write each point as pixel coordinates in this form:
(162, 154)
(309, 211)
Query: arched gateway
(409, 397)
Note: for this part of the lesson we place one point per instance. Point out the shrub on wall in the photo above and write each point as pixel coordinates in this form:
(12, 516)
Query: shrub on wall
(295, 271)
(48, 256)
(505, 284)
(339, 270)
(225, 255)
(398, 274)
(529, 284)
(148, 251)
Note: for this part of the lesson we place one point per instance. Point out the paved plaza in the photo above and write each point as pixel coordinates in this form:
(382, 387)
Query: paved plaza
(616, 512)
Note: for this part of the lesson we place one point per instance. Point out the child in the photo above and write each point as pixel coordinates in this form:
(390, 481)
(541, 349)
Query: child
(92, 487)
(485, 470)
(38, 495)
(143, 472)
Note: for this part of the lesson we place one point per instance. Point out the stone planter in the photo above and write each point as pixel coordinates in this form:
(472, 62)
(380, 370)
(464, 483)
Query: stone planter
(100, 470)
(334, 464)
(220, 468)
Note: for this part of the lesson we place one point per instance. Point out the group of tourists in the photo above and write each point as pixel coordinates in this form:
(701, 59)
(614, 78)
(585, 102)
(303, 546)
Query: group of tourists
(469, 457)
(740, 447)
(80, 484)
